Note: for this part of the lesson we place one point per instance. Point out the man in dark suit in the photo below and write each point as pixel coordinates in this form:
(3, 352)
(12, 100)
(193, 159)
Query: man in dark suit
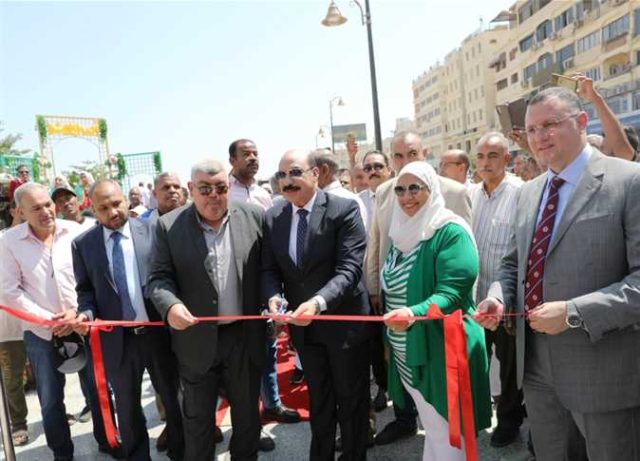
(313, 250)
(108, 263)
(206, 262)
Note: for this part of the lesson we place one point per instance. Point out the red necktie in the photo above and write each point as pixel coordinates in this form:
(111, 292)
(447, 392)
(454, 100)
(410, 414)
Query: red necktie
(533, 295)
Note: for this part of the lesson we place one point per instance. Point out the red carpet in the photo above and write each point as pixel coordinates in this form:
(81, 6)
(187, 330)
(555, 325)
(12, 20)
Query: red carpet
(294, 396)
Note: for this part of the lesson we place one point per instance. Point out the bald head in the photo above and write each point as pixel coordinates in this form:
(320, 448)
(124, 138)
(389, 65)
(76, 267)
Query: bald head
(109, 205)
(300, 156)
(454, 164)
(406, 147)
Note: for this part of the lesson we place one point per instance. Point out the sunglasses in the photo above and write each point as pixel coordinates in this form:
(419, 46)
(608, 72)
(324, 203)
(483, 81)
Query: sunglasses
(413, 190)
(292, 173)
(373, 166)
(206, 189)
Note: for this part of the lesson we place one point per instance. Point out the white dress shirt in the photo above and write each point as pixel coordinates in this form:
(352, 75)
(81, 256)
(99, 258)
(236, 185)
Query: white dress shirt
(293, 238)
(134, 284)
(368, 198)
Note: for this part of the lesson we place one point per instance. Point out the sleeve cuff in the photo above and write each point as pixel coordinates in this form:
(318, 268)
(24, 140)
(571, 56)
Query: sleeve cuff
(322, 304)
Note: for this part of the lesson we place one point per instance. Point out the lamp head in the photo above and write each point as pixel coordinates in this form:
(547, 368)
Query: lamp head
(333, 17)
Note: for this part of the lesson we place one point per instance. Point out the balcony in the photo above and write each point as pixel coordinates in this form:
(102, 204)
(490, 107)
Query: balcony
(615, 43)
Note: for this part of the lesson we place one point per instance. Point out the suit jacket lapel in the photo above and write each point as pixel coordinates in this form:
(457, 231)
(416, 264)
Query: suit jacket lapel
(535, 196)
(314, 228)
(238, 241)
(196, 235)
(589, 184)
(101, 256)
(282, 233)
(139, 235)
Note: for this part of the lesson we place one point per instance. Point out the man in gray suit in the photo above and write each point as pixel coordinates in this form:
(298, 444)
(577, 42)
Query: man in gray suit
(206, 263)
(573, 267)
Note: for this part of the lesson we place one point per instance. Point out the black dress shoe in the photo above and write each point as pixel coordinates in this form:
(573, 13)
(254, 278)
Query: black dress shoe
(394, 431)
(217, 435)
(281, 414)
(297, 376)
(370, 439)
(381, 401)
(503, 436)
(266, 443)
(162, 444)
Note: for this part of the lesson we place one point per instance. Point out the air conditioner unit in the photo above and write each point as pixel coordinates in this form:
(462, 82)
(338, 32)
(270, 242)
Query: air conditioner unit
(567, 63)
(553, 36)
(579, 23)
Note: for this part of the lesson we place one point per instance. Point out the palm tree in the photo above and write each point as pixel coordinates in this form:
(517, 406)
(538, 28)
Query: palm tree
(8, 141)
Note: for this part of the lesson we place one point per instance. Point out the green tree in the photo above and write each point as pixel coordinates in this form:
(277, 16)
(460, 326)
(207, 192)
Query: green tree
(8, 142)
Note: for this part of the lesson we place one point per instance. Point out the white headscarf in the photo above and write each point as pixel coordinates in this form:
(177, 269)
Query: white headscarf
(408, 231)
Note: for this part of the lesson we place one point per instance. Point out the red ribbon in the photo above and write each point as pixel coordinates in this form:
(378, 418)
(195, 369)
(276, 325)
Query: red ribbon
(101, 387)
(456, 364)
(458, 380)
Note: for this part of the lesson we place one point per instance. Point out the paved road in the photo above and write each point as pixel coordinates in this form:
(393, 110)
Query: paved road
(292, 441)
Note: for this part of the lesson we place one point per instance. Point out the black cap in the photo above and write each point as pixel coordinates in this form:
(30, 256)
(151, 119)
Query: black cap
(71, 353)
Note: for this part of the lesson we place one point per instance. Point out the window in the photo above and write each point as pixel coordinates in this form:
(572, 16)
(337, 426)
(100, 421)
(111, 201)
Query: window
(482, 91)
(616, 28)
(543, 31)
(636, 22)
(564, 54)
(590, 110)
(514, 78)
(526, 43)
(526, 11)
(564, 19)
(593, 74)
(619, 104)
(502, 84)
(529, 71)
(512, 54)
(636, 100)
(588, 42)
(545, 61)
(480, 114)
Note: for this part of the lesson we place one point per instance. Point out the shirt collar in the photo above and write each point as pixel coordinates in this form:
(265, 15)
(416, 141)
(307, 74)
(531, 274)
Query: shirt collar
(236, 182)
(574, 170)
(308, 206)
(125, 230)
(334, 185)
(497, 191)
(207, 228)
(60, 229)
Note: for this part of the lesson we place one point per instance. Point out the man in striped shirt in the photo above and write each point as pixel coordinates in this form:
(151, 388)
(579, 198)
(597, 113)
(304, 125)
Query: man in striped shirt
(493, 205)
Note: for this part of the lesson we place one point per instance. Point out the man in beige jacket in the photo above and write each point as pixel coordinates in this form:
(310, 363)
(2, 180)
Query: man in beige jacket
(405, 147)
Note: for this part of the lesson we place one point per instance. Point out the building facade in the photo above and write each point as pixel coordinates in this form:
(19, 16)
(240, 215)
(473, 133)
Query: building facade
(598, 38)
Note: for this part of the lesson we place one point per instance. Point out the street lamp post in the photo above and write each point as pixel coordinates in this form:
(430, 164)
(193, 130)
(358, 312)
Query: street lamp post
(335, 18)
(339, 102)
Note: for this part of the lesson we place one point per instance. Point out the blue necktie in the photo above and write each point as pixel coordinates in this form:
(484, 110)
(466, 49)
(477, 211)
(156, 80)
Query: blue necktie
(120, 277)
(301, 235)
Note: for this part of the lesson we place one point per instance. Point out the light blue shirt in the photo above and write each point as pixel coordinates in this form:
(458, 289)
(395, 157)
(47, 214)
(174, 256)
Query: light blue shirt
(571, 175)
(134, 283)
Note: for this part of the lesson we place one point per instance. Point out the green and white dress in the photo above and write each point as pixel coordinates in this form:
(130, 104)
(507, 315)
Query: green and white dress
(394, 284)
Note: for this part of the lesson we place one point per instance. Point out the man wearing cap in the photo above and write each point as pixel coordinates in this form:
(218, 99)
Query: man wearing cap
(36, 277)
(110, 269)
(67, 205)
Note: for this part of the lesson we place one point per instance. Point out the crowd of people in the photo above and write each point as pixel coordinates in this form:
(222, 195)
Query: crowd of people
(540, 253)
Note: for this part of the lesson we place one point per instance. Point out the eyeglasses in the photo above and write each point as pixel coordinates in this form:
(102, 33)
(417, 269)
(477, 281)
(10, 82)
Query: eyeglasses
(206, 189)
(292, 173)
(373, 166)
(413, 190)
(548, 128)
(23, 172)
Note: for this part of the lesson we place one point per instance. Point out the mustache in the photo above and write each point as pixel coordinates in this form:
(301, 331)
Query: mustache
(374, 175)
(290, 188)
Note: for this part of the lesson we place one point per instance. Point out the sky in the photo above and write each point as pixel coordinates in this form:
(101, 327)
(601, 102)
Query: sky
(187, 78)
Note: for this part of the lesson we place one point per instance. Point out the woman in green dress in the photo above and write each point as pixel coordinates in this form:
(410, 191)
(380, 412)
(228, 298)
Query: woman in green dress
(433, 260)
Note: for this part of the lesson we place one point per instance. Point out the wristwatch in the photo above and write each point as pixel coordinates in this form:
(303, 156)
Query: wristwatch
(573, 319)
(317, 303)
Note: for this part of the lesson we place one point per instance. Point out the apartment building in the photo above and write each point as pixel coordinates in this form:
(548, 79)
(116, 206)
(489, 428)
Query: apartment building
(597, 38)
(454, 101)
